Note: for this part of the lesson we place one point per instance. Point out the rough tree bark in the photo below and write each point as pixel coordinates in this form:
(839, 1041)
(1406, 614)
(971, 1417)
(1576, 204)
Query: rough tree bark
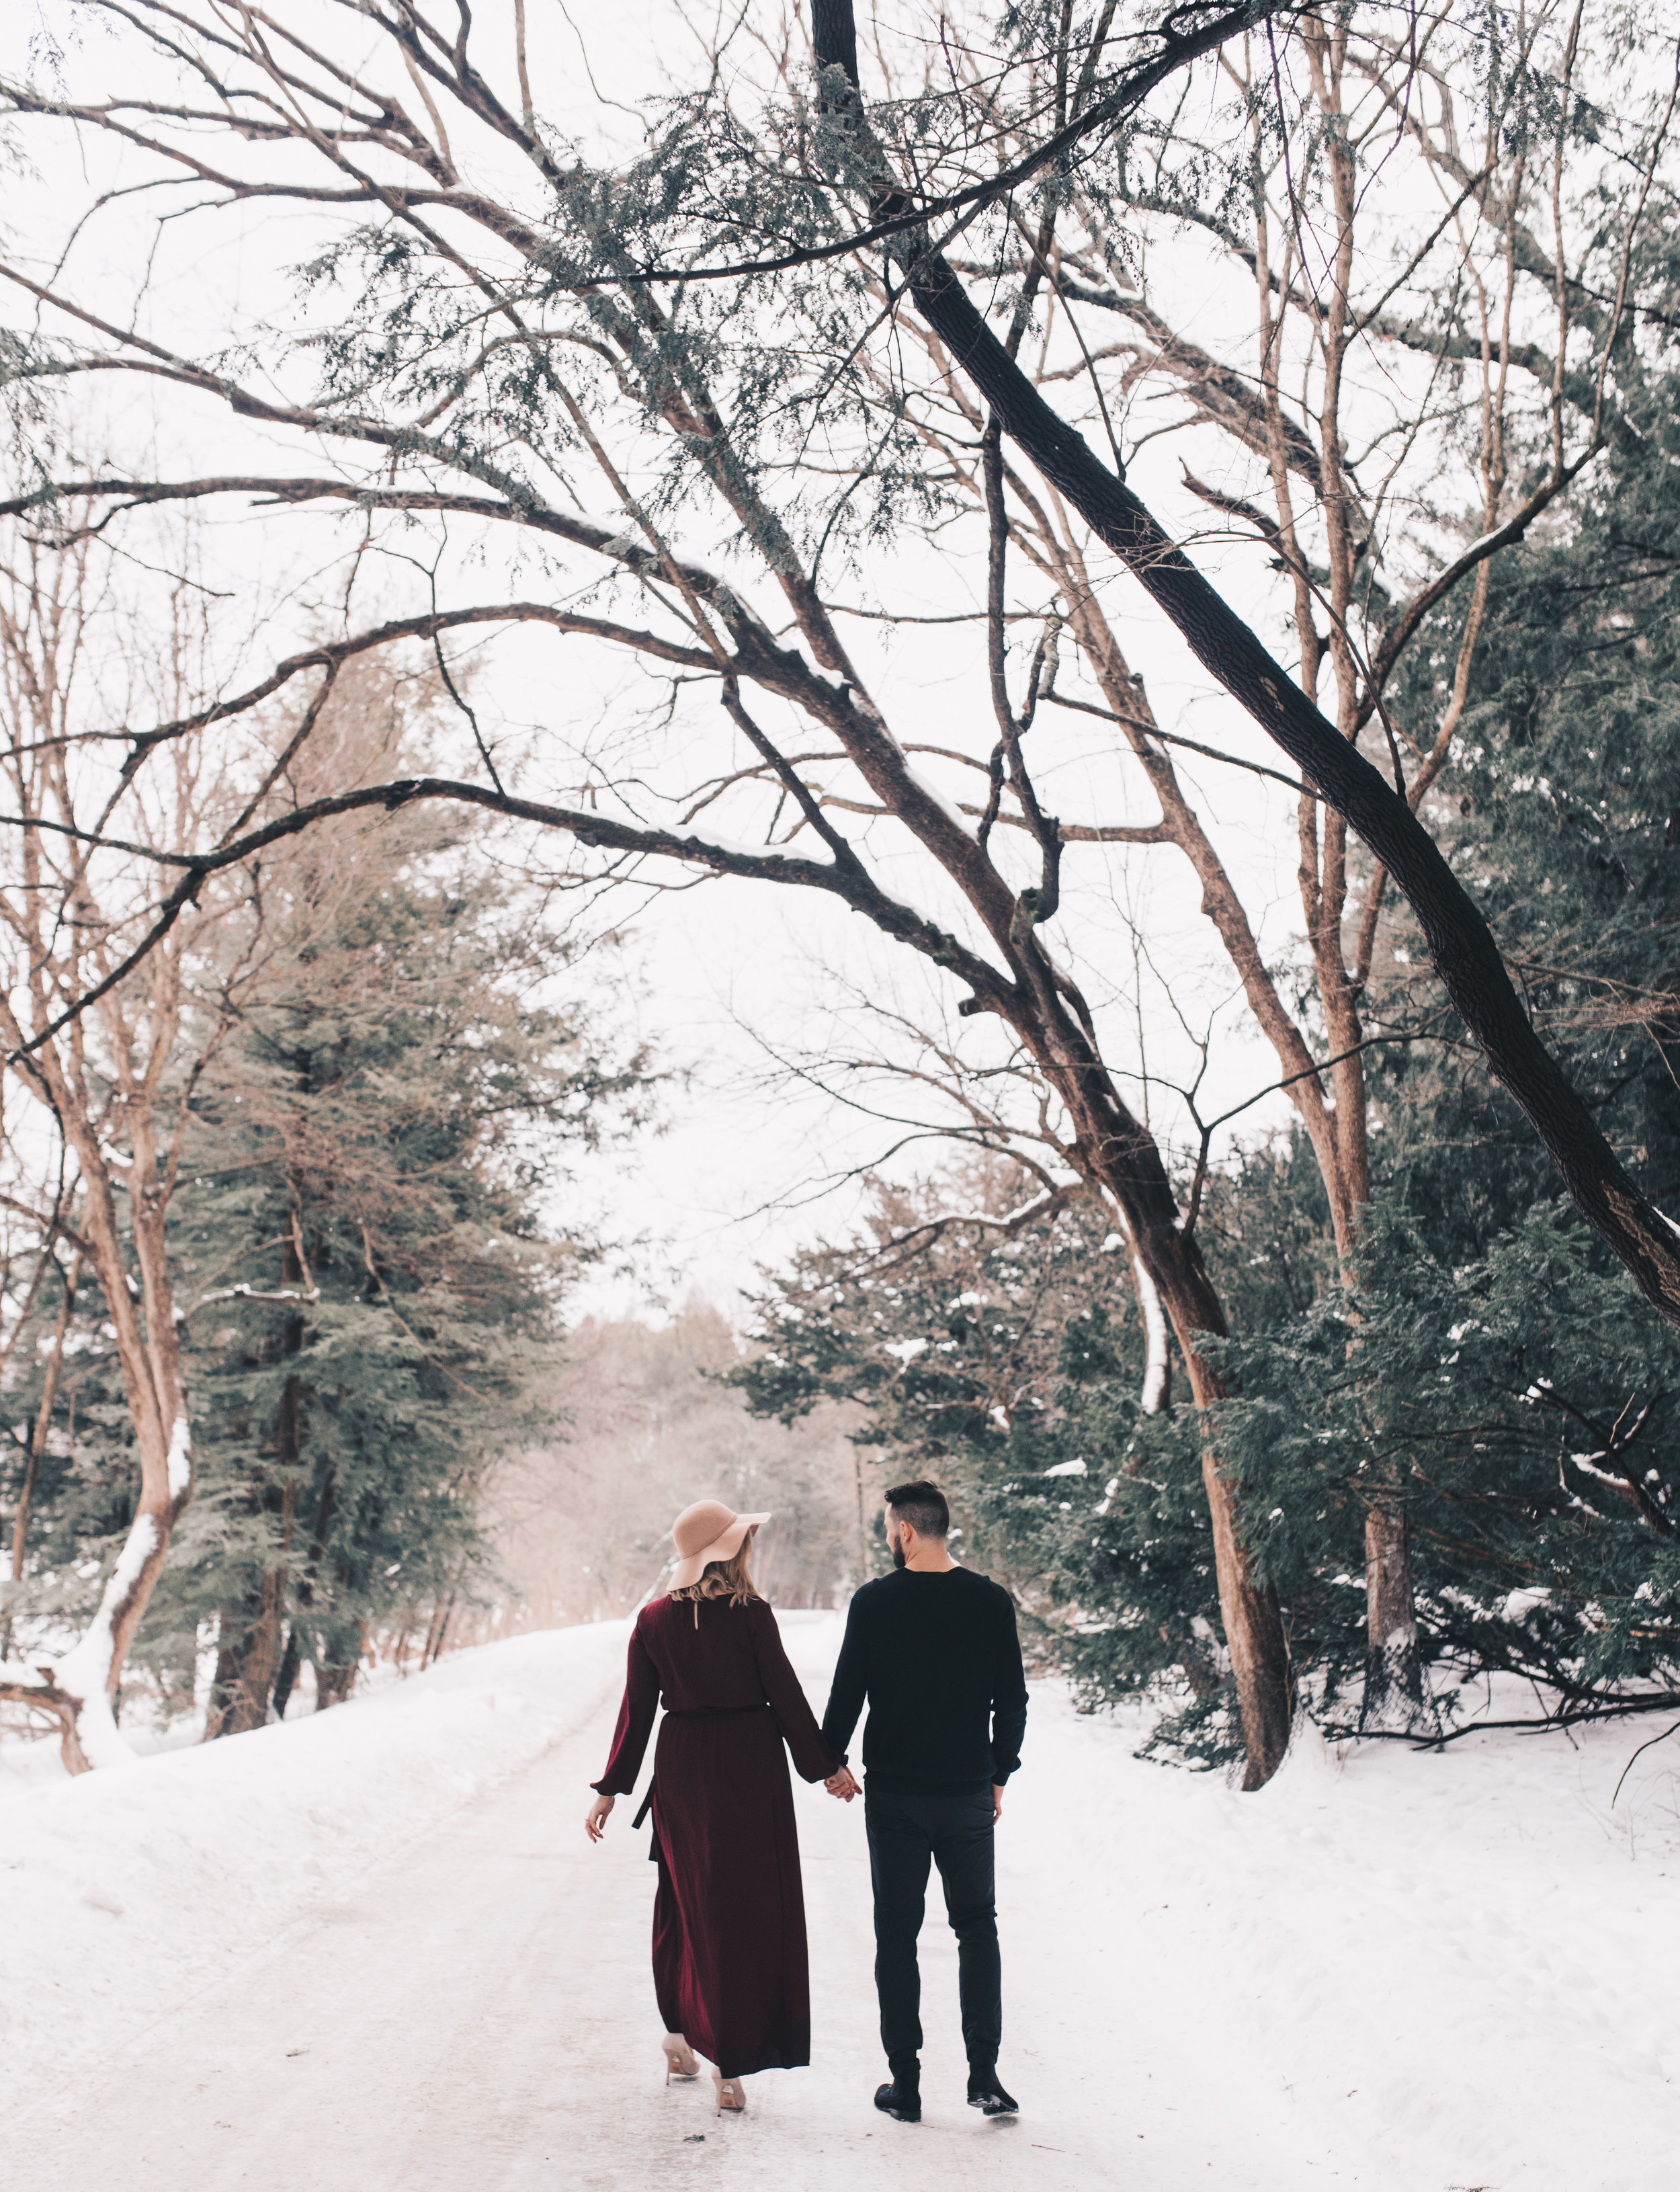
(1393, 1690)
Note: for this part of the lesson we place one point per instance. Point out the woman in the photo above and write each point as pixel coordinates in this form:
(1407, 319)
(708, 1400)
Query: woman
(729, 1956)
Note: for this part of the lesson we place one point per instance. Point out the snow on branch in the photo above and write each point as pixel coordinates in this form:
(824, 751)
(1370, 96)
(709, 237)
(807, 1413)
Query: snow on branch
(243, 1293)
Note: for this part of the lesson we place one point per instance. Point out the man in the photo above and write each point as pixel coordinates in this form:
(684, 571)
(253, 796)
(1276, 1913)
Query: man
(933, 1647)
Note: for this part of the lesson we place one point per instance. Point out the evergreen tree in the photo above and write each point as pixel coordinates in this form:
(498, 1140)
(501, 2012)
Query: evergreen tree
(1526, 1405)
(944, 1329)
(366, 1234)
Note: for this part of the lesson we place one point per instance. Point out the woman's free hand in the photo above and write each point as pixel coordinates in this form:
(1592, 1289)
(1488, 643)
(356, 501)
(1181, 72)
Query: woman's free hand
(595, 1821)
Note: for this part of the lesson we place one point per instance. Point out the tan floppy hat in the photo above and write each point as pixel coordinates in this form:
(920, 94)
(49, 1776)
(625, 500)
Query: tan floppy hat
(707, 1531)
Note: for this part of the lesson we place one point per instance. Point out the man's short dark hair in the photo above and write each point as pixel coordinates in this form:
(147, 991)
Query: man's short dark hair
(922, 1505)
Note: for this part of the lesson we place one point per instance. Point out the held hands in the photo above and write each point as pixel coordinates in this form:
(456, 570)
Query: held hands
(595, 1821)
(843, 1785)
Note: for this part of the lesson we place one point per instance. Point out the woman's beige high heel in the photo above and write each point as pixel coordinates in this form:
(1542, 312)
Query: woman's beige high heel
(731, 2094)
(680, 2060)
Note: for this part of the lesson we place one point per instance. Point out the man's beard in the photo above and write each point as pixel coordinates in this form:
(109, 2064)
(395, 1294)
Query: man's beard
(899, 1552)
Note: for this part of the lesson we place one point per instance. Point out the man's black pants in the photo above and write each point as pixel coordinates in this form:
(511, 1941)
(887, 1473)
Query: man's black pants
(951, 1828)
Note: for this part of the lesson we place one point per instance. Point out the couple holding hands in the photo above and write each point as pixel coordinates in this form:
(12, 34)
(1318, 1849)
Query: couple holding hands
(932, 1650)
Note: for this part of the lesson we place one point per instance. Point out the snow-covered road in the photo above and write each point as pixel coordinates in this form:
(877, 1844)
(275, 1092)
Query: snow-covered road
(1412, 1975)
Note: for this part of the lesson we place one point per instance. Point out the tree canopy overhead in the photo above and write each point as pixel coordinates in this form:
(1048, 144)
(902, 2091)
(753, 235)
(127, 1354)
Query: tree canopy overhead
(846, 305)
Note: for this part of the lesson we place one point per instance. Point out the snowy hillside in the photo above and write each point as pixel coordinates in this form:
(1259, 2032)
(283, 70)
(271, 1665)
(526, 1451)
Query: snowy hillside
(374, 1951)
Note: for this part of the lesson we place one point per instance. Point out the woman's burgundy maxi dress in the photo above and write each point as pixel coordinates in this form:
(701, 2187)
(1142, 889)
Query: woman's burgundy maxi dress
(729, 1955)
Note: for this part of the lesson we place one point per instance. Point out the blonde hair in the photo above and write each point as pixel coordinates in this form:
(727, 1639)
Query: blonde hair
(732, 1579)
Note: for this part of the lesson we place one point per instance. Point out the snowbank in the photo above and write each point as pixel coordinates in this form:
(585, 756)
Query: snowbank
(122, 1895)
(1451, 1969)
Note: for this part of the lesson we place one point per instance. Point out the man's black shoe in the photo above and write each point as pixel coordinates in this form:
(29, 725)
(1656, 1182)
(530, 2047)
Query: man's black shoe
(986, 2094)
(899, 2100)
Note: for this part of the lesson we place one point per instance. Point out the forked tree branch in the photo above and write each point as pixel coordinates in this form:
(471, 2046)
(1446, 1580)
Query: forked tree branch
(834, 39)
(847, 880)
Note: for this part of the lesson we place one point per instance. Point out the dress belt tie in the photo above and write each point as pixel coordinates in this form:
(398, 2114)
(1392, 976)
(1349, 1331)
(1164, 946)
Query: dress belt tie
(696, 1712)
(713, 1712)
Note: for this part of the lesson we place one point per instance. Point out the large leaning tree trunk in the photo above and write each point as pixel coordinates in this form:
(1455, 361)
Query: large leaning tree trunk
(1462, 946)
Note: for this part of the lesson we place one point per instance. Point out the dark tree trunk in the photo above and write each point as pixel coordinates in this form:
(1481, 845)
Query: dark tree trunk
(285, 1681)
(324, 1670)
(1460, 943)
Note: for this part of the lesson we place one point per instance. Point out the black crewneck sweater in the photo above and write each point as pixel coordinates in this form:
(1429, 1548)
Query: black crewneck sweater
(936, 1655)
